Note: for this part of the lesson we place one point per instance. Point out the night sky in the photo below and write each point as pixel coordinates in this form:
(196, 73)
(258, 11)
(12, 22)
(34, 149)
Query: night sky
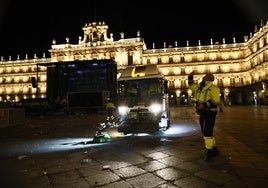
(28, 27)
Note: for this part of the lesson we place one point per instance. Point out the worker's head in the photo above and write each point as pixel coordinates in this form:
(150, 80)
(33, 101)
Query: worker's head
(208, 77)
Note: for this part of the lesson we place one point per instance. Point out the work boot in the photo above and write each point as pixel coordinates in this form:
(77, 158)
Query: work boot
(215, 151)
(209, 155)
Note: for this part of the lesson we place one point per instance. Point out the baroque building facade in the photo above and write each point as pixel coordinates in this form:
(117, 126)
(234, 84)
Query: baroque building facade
(240, 69)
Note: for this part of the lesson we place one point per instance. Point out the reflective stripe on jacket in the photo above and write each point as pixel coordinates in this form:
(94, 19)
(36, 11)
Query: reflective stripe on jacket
(209, 92)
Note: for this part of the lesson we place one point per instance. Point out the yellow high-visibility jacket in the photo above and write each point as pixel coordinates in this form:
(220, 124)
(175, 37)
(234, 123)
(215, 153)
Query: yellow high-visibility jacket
(132, 90)
(154, 88)
(209, 94)
(110, 105)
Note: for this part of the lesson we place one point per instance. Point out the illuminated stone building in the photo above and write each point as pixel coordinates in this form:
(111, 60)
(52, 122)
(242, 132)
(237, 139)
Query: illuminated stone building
(240, 69)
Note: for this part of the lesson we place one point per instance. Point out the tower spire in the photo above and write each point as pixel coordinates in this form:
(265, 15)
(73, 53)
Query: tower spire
(95, 10)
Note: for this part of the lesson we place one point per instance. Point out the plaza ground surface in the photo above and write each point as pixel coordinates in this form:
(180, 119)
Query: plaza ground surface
(57, 151)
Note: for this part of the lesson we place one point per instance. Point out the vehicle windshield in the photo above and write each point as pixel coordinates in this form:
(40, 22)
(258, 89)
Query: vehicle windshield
(140, 91)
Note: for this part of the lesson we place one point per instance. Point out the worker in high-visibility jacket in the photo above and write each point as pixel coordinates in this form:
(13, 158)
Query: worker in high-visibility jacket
(206, 99)
(154, 88)
(132, 91)
(110, 107)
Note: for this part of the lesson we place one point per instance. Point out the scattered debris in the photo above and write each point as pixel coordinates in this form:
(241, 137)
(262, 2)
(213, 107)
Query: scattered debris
(21, 157)
(86, 160)
(106, 167)
(165, 140)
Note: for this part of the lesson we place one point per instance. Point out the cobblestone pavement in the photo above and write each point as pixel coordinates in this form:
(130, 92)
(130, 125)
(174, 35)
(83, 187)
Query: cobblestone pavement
(56, 151)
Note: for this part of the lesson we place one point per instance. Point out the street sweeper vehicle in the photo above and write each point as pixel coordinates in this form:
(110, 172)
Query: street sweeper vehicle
(142, 100)
(142, 104)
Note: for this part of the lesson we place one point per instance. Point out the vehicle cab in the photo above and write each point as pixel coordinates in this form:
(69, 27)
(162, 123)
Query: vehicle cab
(142, 100)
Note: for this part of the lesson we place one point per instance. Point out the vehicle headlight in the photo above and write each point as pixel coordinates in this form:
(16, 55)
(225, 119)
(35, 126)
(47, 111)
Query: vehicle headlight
(122, 110)
(155, 108)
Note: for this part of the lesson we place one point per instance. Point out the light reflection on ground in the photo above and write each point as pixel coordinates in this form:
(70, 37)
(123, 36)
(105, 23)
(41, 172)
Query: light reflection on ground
(180, 130)
(50, 145)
